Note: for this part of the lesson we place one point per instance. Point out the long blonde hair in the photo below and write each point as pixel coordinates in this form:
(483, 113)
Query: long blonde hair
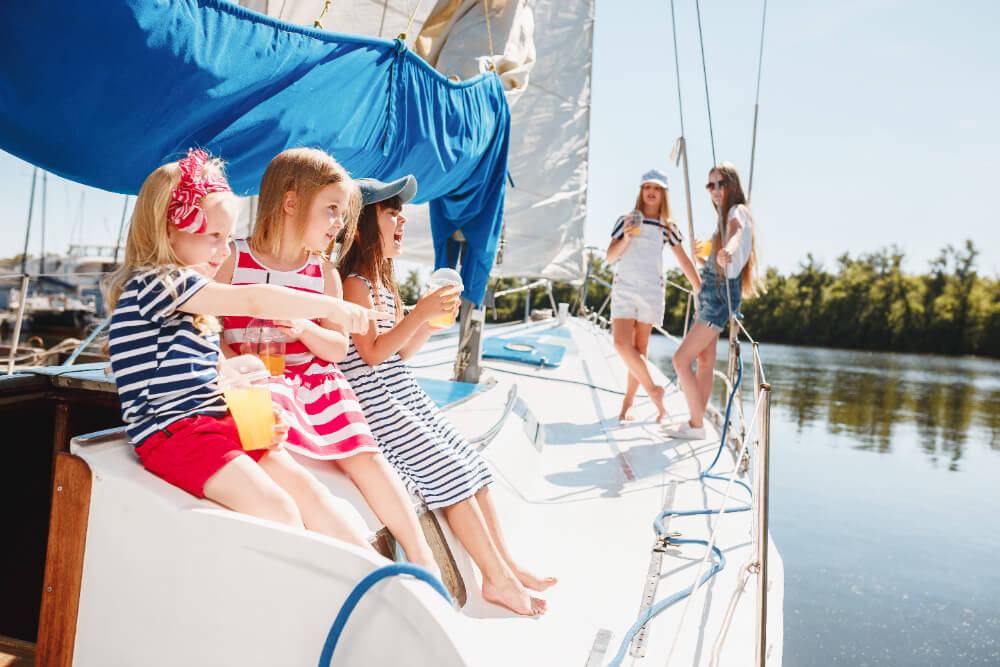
(726, 174)
(304, 171)
(148, 244)
(664, 204)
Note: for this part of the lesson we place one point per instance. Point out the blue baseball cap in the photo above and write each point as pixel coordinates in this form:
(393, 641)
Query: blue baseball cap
(373, 190)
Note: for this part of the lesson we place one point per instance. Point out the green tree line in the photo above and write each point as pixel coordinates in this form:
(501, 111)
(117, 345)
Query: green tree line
(865, 302)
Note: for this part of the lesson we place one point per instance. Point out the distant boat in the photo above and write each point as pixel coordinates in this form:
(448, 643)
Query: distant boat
(58, 312)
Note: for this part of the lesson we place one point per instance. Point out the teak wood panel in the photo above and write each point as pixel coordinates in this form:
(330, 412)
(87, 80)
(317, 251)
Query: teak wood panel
(71, 487)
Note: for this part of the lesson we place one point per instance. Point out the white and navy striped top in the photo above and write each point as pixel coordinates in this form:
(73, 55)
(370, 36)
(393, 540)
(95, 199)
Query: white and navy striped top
(164, 367)
(671, 234)
(642, 262)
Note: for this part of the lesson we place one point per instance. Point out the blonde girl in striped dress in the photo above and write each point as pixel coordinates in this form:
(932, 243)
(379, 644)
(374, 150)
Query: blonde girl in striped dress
(305, 196)
(431, 455)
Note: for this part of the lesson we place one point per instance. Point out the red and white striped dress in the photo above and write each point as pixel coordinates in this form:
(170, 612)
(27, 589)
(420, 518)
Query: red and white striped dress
(324, 417)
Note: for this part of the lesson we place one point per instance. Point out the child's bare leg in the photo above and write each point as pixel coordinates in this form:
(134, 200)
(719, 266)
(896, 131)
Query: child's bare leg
(489, 511)
(623, 332)
(315, 502)
(386, 495)
(631, 388)
(242, 486)
(697, 339)
(706, 366)
(500, 585)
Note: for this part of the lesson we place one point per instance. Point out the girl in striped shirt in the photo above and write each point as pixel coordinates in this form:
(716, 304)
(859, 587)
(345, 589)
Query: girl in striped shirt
(165, 351)
(431, 455)
(305, 197)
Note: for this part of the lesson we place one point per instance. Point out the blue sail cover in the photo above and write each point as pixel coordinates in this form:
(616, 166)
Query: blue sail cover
(103, 93)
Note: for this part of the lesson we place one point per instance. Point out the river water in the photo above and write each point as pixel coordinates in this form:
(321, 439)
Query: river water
(883, 504)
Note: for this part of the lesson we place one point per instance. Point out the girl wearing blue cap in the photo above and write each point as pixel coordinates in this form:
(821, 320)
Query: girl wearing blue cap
(731, 266)
(433, 458)
(637, 301)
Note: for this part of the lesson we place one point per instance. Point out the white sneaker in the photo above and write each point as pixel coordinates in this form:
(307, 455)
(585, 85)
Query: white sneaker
(686, 432)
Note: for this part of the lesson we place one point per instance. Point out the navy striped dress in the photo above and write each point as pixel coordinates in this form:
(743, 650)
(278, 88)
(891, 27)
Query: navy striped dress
(433, 458)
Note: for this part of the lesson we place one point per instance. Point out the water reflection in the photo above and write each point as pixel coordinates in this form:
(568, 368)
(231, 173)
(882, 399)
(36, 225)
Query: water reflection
(950, 404)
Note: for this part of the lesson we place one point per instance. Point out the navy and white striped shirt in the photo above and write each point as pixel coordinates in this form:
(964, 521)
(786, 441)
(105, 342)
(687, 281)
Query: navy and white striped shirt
(670, 232)
(164, 367)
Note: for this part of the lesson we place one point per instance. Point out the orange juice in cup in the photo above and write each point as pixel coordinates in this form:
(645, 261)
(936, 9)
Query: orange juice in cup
(263, 339)
(703, 248)
(272, 353)
(442, 278)
(245, 387)
(635, 217)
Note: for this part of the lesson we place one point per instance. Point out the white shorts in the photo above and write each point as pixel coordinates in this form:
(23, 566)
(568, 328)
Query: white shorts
(643, 303)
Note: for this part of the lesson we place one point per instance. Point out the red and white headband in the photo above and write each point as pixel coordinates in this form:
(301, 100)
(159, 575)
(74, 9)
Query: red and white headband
(185, 210)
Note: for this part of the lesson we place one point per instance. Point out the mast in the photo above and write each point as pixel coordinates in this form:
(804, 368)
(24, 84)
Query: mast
(121, 228)
(41, 260)
(27, 231)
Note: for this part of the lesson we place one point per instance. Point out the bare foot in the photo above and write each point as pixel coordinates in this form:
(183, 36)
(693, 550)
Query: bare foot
(626, 415)
(532, 581)
(657, 397)
(509, 593)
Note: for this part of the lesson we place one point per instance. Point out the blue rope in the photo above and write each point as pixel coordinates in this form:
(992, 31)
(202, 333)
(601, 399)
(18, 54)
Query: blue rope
(661, 531)
(663, 604)
(352, 600)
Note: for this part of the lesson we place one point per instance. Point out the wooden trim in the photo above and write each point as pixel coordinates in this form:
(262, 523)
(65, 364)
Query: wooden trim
(450, 575)
(71, 485)
(60, 434)
(385, 544)
(16, 652)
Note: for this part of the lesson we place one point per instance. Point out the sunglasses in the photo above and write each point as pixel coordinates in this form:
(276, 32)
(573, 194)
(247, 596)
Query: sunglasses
(713, 184)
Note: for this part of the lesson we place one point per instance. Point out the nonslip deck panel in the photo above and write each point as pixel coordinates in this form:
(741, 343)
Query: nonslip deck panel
(524, 349)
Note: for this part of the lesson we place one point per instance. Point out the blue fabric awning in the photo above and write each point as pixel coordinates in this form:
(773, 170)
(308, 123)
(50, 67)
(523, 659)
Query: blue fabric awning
(103, 94)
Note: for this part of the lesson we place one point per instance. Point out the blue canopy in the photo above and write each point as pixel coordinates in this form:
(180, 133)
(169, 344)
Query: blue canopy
(103, 94)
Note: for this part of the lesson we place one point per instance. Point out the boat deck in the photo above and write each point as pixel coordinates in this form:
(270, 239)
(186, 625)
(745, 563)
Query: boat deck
(578, 495)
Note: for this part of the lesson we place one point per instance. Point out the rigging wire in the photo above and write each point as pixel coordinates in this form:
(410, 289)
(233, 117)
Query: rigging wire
(409, 24)
(756, 101)
(715, 161)
(683, 144)
(489, 33)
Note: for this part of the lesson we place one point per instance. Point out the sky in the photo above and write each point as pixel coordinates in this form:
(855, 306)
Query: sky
(877, 127)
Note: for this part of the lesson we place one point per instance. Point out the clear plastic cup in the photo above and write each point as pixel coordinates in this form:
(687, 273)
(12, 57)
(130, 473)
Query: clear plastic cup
(263, 339)
(442, 278)
(703, 248)
(636, 217)
(244, 383)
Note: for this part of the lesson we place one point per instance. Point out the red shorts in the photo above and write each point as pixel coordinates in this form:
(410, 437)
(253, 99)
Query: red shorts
(191, 450)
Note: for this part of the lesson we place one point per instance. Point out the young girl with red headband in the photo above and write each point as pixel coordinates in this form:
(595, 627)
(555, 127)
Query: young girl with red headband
(165, 352)
(305, 198)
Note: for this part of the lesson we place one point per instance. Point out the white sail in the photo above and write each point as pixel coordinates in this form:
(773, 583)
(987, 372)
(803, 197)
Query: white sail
(542, 51)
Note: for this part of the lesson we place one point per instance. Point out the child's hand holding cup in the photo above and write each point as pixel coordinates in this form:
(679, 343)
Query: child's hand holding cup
(439, 280)
(633, 223)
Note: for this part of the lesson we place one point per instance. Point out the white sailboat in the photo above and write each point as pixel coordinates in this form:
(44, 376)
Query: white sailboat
(139, 572)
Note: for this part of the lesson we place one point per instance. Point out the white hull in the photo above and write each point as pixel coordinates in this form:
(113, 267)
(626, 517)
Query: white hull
(171, 580)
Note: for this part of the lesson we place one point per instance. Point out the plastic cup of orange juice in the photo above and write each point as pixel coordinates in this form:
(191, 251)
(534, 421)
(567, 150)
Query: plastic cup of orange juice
(442, 278)
(263, 339)
(244, 384)
(703, 249)
(636, 217)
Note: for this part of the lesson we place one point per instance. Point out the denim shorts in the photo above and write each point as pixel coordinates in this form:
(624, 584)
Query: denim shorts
(713, 310)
